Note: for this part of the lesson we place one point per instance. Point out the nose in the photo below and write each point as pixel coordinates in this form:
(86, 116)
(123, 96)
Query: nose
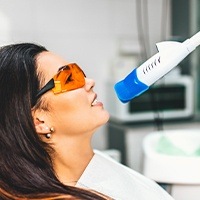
(89, 84)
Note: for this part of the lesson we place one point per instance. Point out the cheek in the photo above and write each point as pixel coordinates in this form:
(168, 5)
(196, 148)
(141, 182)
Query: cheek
(71, 106)
(70, 99)
(75, 119)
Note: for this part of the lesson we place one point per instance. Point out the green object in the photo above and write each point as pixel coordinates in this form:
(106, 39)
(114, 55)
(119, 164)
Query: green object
(197, 152)
(165, 146)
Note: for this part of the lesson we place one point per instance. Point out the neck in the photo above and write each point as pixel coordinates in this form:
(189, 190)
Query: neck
(71, 158)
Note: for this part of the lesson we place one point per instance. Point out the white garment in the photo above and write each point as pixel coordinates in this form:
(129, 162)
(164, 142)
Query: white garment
(119, 182)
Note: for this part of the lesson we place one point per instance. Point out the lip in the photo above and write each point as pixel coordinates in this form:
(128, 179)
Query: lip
(97, 103)
(95, 97)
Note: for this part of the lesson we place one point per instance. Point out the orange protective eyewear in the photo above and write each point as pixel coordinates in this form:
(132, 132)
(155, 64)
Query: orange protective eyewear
(69, 77)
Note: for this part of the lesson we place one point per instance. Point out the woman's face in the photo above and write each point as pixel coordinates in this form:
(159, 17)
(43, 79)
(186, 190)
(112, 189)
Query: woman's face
(74, 112)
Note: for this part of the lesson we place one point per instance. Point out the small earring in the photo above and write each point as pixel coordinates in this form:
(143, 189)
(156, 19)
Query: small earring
(52, 129)
(48, 135)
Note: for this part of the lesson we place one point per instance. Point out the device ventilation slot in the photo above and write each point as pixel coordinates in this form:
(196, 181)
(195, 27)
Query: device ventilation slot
(148, 68)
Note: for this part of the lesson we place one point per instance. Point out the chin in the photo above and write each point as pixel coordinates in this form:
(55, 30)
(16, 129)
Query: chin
(106, 117)
(101, 118)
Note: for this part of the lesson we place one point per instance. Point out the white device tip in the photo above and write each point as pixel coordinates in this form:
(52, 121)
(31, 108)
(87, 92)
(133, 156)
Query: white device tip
(195, 39)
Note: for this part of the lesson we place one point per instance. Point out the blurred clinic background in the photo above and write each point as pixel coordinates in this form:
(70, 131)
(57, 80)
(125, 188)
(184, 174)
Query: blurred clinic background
(158, 133)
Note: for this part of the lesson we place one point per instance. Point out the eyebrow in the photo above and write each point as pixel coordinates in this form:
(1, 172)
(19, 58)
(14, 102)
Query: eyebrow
(61, 68)
(64, 66)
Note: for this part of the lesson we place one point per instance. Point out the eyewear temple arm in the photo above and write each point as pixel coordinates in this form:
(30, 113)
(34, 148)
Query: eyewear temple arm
(46, 88)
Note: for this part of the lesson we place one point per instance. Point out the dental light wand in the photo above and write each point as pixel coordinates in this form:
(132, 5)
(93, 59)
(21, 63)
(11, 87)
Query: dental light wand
(170, 54)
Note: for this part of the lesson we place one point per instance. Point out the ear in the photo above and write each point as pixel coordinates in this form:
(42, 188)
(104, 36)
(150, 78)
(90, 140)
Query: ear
(40, 126)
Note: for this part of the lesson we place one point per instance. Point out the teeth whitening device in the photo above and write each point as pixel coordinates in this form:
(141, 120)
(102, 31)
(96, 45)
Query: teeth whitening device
(169, 55)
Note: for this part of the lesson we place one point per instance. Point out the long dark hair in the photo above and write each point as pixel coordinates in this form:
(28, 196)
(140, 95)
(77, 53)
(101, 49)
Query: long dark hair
(25, 164)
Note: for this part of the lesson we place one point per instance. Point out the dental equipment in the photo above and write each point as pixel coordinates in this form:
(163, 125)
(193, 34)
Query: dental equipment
(170, 54)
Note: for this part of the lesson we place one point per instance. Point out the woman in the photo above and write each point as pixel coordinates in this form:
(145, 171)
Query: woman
(29, 146)
(49, 113)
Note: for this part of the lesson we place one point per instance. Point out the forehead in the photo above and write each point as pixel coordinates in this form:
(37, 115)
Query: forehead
(48, 63)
